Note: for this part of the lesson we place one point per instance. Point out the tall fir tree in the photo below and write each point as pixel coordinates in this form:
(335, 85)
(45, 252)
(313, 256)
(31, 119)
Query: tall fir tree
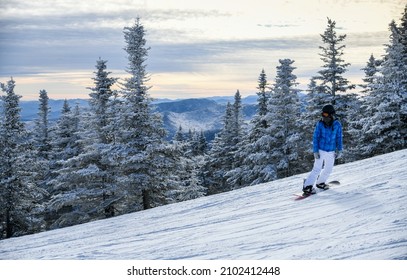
(252, 164)
(65, 135)
(282, 117)
(42, 141)
(334, 65)
(190, 162)
(389, 118)
(20, 198)
(371, 70)
(145, 166)
(263, 93)
(403, 40)
(101, 97)
(89, 172)
(382, 129)
(361, 120)
(220, 158)
(238, 121)
(403, 30)
(75, 197)
(42, 129)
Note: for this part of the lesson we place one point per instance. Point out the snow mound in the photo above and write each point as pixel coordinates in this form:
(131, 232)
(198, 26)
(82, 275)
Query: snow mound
(363, 218)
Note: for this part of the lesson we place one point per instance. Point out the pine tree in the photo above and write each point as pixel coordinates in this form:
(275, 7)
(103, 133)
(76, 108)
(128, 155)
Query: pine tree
(140, 147)
(220, 158)
(75, 197)
(263, 94)
(252, 165)
(179, 136)
(371, 70)
(42, 138)
(20, 198)
(391, 98)
(65, 135)
(238, 121)
(101, 97)
(334, 65)
(190, 163)
(283, 115)
(89, 171)
(403, 40)
(361, 119)
(382, 129)
(403, 30)
(202, 144)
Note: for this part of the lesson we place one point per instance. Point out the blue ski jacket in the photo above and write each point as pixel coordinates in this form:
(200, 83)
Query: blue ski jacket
(327, 138)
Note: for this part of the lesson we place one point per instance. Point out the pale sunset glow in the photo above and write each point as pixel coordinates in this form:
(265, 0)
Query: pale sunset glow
(198, 48)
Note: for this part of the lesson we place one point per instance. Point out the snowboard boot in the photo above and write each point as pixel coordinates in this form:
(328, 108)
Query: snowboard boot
(322, 186)
(308, 190)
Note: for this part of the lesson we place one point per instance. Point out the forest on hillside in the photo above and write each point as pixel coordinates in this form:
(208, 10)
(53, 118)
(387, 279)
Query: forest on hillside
(115, 158)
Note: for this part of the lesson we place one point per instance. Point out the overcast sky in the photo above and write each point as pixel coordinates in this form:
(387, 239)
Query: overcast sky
(198, 48)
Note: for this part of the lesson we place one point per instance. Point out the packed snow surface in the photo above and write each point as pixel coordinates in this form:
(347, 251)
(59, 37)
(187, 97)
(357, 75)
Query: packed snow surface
(363, 218)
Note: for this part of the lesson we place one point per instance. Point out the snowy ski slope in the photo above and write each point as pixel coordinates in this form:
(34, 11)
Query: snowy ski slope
(363, 218)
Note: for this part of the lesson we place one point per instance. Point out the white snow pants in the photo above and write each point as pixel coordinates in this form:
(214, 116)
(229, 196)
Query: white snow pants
(322, 168)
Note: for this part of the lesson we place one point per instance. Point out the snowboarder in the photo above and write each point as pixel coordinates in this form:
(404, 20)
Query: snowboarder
(327, 144)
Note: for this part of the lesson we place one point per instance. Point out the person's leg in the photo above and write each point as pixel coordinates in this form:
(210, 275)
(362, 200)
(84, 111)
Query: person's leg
(329, 160)
(316, 170)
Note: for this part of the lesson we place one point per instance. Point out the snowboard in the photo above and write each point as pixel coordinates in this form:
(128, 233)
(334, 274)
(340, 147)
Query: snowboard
(300, 196)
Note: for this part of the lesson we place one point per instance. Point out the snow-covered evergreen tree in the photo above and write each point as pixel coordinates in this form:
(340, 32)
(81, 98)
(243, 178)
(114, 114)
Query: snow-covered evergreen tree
(403, 29)
(42, 141)
(388, 120)
(361, 119)
(403, 40)
(140, 148)
(252, 164)
(283, 132)
(220, 158)
(41, 131)
(85, 185)
(382, 125)
(348, 108)
(370, 78)
(102, 96)
(263, 93)
(238, 121)
(334, 65)
(20, 198)
(72, 189)
(65, 135)
(179, 136)
(189, 162)
(196, 143)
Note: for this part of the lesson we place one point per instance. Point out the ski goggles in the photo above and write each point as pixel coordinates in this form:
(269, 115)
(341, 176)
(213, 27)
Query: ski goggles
(324, 114)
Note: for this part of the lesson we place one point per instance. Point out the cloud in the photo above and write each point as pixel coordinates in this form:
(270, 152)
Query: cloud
(216, 45)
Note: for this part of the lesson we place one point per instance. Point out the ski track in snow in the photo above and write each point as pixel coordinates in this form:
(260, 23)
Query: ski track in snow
(363, 218)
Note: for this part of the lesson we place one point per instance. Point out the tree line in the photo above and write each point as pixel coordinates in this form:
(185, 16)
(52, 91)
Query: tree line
(113, 159)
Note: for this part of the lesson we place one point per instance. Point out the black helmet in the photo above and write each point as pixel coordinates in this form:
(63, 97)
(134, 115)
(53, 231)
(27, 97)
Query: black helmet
(328, 109)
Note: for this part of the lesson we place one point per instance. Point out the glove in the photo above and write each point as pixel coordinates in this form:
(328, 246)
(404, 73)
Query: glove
(339, 155)
(316, 155)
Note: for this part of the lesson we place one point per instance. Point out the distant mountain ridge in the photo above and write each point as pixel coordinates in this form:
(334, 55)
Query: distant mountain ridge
(199, 114)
